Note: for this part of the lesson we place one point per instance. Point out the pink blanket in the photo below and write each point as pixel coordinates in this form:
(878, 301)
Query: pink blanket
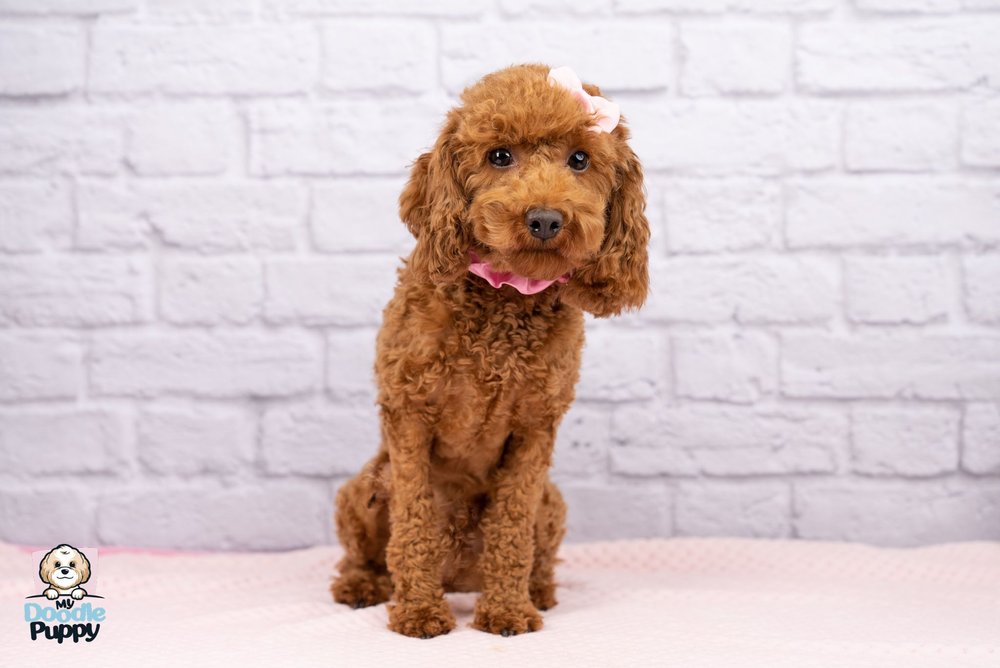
(679, 603)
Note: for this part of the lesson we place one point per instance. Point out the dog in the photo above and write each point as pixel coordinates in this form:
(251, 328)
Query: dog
(64, 568)
(527, 211)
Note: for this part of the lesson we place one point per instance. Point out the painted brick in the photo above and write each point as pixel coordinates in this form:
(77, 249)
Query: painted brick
(739, 368)
(469, 50)
(49, 61)
(444, 8)
(60, 139)
(66, 290)
(70, 7)
(188, 139)
(903, 136)
(35, 215)
(192, 439)
(620, 365)
(783, 6)
(291, 138)
(715, 58)
(358, 215)
(823, 261)
(717, 6)
(712, 137)
(930, 55)
(720, 440)
(217, 364)
(981, 282)
(355, 57)
(350, 364)
(895, 513)
(208, 217)
(36, 365)
(891, 211)
(268, 516)
(706, 215)
(342, 291)
(917, 441)
(194, 11)
(204, 291)
(582, 443)
(680, 6)
(981, 438)
(618, 512)
(925, 367)
(42, 442)
(753, 509)
(980, 134)
(762, 289)
(555, 7)
(318, 440)
(913, 6)
(274, 59)
(21, 524)
(894, 290)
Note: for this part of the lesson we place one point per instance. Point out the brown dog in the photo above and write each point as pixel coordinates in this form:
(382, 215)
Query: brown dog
(532, 188)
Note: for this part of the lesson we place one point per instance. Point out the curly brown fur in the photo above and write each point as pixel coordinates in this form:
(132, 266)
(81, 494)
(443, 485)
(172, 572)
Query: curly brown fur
(473, 380)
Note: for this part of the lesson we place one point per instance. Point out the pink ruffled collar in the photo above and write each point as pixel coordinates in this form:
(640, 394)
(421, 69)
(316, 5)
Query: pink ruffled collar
(523, 284)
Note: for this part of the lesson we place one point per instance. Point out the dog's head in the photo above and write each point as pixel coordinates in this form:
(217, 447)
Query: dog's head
(522, 177)
(64, 567)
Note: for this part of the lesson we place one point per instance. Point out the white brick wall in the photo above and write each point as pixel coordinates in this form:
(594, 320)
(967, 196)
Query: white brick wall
(198, 233)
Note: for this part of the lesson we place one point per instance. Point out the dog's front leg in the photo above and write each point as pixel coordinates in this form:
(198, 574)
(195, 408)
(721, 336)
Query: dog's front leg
(413, 554)
(508, 524)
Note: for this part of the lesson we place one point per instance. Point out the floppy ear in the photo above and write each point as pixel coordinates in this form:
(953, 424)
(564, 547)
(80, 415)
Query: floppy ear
(84, 567)
(45, 568)
(617, 277)
(433, 206)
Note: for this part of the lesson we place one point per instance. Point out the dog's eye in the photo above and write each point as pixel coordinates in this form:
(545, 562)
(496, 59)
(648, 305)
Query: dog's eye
(500, 157)
(72, 564)
(58, 564)
(578, 161)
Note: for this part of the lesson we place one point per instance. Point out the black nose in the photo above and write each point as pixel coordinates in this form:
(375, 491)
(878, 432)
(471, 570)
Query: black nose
(65, 571)
(544, 223)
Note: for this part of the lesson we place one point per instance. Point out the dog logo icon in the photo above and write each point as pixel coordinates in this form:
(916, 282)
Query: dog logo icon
(65, 610)
(64, 569)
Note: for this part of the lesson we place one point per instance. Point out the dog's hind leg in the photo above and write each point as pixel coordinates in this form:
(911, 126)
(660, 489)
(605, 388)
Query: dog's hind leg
(550, 526)
(362, 519)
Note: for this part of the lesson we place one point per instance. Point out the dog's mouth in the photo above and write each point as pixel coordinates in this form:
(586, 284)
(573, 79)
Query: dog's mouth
(65, 577)
(547, 264)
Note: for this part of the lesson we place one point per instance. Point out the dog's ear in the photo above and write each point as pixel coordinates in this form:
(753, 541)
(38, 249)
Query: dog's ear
(433, 205)
(617, 277)
(45, 567)
(84, 567)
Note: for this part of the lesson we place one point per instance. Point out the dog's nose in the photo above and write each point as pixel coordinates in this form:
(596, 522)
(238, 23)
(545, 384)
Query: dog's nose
(65, 571)
(544, 223)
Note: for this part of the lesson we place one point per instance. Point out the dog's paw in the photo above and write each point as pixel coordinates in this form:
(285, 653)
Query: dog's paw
(51, 594)
(543, 596)
(78, 594)
(506, 619)
(420, 620)
(360, 589)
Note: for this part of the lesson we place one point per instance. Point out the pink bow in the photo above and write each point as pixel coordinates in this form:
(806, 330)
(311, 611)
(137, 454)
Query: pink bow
(608, 113)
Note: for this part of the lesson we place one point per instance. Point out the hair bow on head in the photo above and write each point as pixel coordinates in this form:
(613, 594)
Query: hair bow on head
(608, 113)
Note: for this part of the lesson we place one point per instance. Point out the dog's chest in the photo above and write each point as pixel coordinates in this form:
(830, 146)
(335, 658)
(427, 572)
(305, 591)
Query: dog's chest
(506, 367)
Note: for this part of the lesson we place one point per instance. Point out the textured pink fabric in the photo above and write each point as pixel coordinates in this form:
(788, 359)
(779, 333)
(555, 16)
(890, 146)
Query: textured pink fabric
(523, 284)
(607, 112)
(699, 603)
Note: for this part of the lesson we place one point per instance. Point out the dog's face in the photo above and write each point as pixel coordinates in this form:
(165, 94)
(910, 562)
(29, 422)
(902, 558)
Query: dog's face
(519, 178)
(64, 567)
